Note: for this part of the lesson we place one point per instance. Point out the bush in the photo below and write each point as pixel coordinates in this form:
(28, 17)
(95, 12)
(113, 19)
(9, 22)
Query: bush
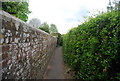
(92, 49)
(59, 38)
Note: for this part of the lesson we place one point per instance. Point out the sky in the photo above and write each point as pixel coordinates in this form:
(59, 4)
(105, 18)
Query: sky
(65, 14)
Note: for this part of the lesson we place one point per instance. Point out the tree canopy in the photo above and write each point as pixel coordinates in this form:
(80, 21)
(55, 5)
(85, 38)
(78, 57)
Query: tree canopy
(45, 27)
(115, 5)
(53, 28)
(35, 22)
(18, 9)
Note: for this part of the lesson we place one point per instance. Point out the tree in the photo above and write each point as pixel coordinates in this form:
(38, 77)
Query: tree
(35, 22)
(109, 7)
(45, 27)
(18, 9)
(114, 6)
(53, 28)
(117, 5)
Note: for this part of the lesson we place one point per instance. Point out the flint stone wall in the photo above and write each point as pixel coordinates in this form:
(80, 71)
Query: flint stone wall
(24, 51)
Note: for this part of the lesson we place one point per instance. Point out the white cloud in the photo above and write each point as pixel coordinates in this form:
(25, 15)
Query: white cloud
(64, 13)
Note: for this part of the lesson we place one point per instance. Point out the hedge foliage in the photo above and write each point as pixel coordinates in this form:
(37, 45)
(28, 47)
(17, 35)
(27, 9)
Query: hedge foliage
(59, 38)
(92, 49)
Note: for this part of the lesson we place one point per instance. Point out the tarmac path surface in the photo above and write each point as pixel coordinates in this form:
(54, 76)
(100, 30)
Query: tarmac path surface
(55, 68)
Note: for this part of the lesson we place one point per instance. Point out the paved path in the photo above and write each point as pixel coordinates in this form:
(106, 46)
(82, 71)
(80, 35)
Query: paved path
(55, 68)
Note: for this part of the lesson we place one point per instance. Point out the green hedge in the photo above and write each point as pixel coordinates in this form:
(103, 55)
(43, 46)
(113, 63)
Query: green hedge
(92, 49)
(59, 38)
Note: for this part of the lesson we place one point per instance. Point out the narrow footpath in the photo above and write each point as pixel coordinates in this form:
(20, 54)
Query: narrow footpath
(55, 68)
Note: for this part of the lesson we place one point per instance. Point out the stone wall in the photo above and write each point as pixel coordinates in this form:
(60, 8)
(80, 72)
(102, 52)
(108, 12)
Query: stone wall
(24, 50)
